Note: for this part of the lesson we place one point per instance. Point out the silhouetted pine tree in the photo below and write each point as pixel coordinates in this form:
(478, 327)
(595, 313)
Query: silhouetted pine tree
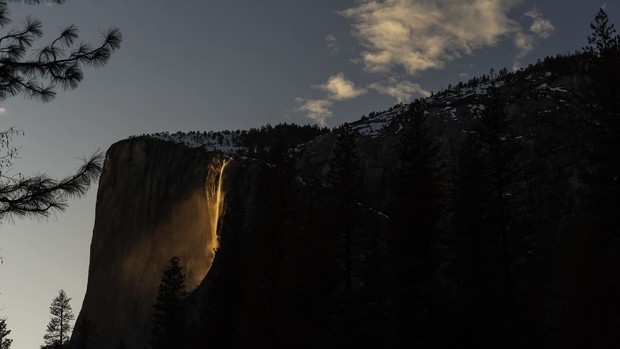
(478, 255)
(602, 147)
(499, 147)
(5, 343)
(603, 136)
(603, 37)
(414, 215)
(59, 327)
(344, 180)
(170, 293)
(277, 218)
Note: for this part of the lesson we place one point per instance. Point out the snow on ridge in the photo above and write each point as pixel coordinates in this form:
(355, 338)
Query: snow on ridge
(221, 142)
(373, 125)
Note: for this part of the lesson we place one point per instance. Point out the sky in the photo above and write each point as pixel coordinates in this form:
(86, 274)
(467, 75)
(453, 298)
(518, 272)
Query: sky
(238, 64)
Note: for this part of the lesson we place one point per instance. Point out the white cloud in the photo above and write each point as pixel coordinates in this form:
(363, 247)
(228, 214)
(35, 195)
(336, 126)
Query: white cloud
(525, 43)
(318, 110)
(340, 88)
(403, 90)
(417, 35)
(540, 26)
(406, 37)
(332, 43)
(2, 110)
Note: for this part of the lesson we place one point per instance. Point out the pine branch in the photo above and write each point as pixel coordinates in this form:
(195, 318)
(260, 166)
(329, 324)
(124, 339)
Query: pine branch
(40, 195)
(56, 65)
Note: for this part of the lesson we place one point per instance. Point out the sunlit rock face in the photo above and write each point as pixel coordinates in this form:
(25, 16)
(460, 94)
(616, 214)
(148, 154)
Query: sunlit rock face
(151, 205)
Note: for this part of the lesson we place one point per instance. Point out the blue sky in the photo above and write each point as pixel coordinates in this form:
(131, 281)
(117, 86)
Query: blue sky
(237, 64)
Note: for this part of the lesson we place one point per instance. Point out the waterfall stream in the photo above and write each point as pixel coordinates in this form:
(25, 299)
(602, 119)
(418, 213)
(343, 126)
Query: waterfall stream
(215, 197)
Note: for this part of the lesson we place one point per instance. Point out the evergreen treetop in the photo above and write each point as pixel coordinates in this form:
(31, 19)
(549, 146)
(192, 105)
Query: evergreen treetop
(59, 327)
(602, 39)
(5, 343)
(170, 293)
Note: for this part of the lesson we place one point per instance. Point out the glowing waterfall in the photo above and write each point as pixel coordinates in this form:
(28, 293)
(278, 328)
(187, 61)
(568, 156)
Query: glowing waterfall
(215, 197)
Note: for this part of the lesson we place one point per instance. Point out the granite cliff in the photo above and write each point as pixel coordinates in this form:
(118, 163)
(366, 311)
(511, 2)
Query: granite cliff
(277, 278)
(152, 206)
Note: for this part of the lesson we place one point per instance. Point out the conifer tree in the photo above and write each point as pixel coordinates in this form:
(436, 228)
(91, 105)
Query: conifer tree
(5, 343)
(345, 183)
(602, 176)
(499, 147)
(472, 198)
(412, 228)
(345, 173)
(476, 251)
(170, 293)
(59, 327)
(604, 48)
(603, 37)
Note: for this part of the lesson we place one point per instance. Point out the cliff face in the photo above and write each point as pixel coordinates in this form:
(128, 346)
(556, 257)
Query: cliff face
(277, 279)
(151, 205)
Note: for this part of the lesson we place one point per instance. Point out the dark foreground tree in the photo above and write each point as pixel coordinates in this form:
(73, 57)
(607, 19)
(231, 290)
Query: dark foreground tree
(38, 74)
(59, 327)
(414, 199)
(170, 293)
(602, 148)
(5, 343)
(344, 183)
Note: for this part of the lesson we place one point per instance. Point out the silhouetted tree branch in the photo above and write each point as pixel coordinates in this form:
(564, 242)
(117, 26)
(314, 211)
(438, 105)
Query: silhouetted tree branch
(40, 195)
(37, 74)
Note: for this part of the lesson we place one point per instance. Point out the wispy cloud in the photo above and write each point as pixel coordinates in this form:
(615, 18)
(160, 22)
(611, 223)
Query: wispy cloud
(402, 38)
(340, 88)
(402, 90)
(540, 26)
(332, 44)
(319, 110)
(418, 35)
(524, 44)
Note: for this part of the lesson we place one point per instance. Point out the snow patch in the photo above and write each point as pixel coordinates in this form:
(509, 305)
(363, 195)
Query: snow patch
(221, 142)
(372, 126)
